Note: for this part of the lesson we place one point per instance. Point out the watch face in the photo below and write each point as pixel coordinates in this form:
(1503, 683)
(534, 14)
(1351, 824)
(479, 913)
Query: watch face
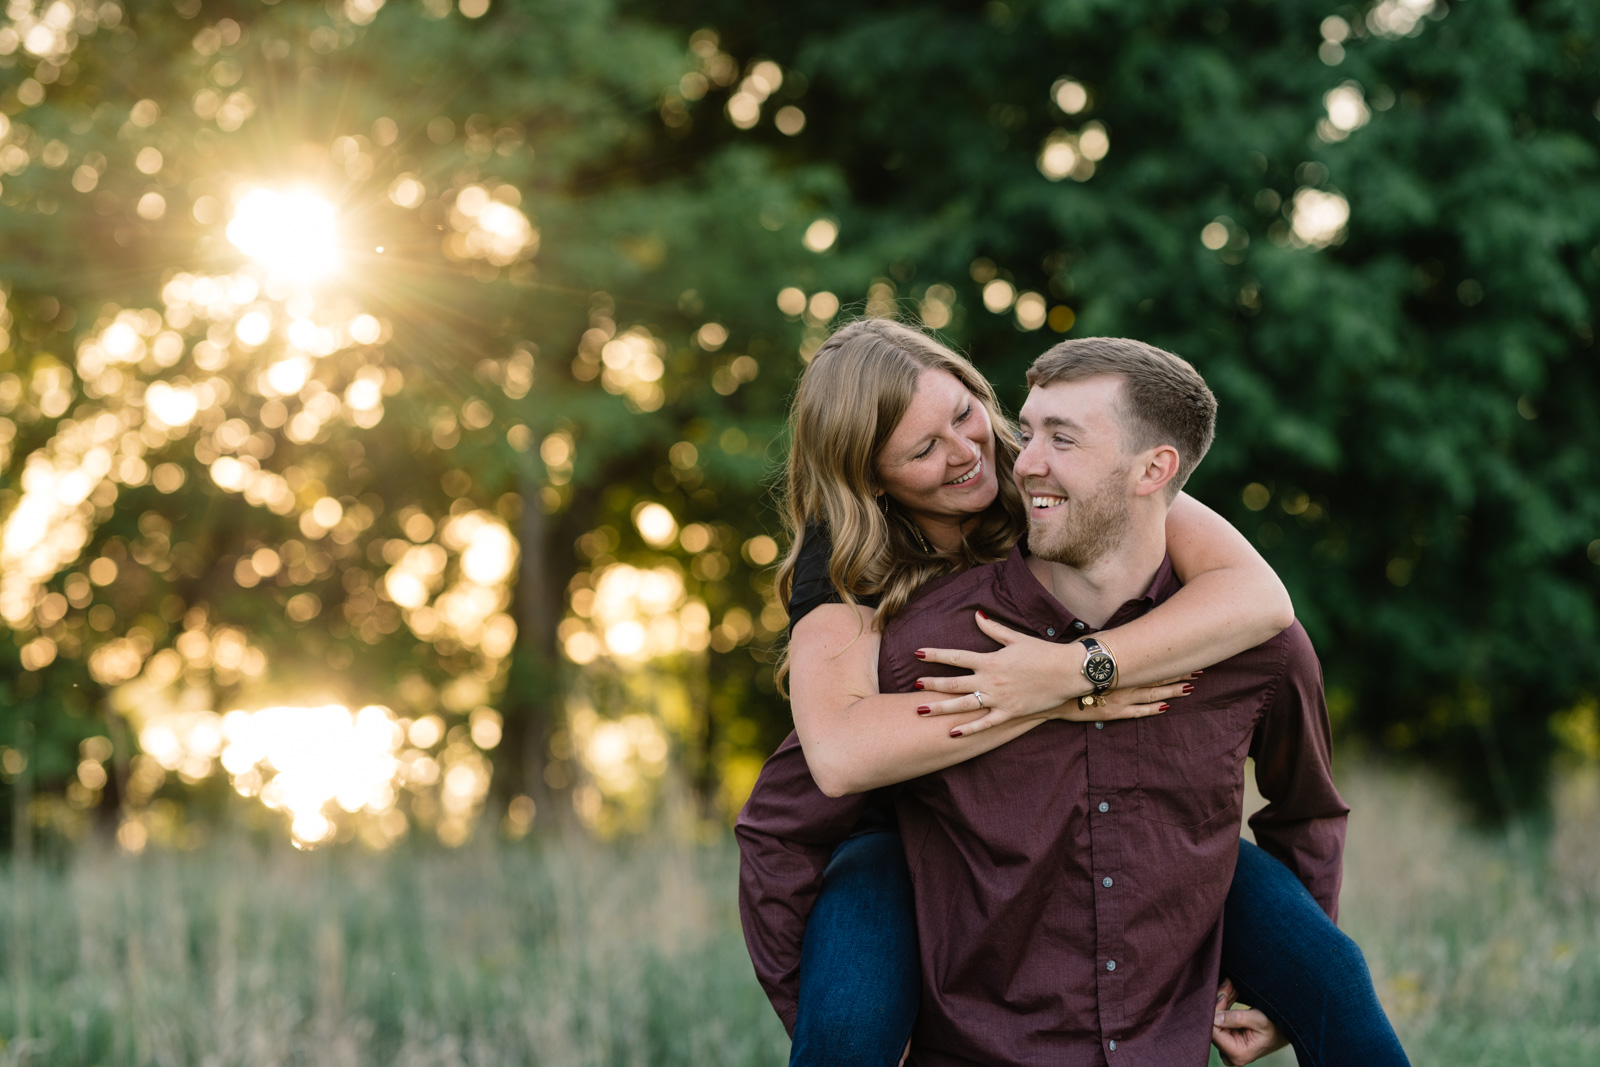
(1099, 668)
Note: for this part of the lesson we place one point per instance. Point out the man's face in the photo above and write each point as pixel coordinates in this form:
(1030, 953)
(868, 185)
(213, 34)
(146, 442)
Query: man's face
(1073, 470)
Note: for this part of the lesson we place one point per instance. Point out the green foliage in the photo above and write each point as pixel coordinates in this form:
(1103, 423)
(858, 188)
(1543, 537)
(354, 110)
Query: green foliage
(1416, 399)
(1408, 399)
(477, 357)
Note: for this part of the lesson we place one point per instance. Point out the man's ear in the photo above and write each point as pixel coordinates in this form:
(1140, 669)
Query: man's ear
(1158, 466)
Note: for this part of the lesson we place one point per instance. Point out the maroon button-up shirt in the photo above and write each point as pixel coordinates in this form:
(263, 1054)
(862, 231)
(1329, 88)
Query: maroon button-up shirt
(1070, 884)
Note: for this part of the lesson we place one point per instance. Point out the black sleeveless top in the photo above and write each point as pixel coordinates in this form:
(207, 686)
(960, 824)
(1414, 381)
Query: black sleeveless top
(811, 589)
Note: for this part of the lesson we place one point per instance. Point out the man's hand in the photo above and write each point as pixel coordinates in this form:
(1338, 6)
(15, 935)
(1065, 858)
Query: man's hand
(1242, 1036)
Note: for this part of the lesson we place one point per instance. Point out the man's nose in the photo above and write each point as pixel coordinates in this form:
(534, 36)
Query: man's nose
(1028, 461)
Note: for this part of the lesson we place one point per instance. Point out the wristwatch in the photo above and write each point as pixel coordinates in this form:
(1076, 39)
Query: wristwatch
(1098, 665)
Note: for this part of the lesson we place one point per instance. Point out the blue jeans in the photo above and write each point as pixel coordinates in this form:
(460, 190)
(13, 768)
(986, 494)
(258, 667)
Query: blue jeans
(1289, 960)
(860, 979)
(859, 970)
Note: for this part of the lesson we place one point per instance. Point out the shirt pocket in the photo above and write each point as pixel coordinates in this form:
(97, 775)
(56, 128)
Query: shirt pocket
(1190, 764)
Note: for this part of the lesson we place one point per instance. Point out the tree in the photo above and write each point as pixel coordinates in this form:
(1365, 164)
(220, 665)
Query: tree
(258, 465)
(1370, 227)
(540, 424)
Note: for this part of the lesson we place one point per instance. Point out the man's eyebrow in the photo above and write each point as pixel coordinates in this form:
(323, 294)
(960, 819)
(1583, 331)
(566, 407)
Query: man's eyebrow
(1057, 422)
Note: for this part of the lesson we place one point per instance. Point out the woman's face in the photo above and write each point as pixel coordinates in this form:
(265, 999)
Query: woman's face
(939, 462)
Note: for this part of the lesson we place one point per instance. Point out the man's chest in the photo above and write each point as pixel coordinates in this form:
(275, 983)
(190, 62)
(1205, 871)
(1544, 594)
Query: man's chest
(1180, 768)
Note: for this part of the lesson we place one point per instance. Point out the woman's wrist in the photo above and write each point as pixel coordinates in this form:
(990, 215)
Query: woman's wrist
(1078, 683)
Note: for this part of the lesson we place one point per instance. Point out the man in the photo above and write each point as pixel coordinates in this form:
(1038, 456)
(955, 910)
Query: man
(1070, 884)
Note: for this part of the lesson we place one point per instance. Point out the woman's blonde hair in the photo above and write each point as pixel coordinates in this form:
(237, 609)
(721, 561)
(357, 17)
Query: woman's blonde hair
(849, 401)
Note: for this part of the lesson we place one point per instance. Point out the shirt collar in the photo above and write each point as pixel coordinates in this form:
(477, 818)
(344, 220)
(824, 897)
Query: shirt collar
(1032, 604)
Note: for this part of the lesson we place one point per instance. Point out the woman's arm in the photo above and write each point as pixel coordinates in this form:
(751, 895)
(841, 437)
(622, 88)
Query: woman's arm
(1231, 601)
(854, 738)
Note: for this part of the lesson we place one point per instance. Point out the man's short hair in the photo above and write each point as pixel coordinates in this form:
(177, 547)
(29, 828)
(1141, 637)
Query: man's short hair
(1164, 399)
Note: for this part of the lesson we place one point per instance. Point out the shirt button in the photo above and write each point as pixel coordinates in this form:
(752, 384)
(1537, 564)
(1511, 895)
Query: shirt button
(1104, 806)
(1111, 965)
(1113, 1046)
(1099, 726)
(1078, 625)
(1106, 881)
(1049, 631)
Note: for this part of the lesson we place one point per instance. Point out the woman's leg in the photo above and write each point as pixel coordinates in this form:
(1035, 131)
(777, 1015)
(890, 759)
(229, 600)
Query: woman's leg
(1288, 958)
(860, 980)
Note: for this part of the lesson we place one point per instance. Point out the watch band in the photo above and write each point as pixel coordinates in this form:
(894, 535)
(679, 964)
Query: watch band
(1099, 665)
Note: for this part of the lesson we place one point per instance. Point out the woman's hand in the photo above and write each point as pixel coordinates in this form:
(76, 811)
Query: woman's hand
(1030, 678)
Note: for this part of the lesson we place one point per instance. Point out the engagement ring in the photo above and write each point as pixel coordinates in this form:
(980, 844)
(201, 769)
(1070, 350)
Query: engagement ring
(979, 694)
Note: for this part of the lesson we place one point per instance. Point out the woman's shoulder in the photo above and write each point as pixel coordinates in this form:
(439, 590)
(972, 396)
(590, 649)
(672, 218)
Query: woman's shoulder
(812, 586)
(816, 548)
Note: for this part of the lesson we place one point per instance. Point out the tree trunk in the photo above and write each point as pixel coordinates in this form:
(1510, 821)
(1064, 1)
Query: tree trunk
(533, 698)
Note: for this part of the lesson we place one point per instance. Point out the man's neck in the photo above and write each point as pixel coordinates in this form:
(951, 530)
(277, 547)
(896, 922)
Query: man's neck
(1095, 591)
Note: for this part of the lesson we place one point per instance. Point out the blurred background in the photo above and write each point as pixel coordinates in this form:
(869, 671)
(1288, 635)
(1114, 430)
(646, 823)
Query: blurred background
(391, 401)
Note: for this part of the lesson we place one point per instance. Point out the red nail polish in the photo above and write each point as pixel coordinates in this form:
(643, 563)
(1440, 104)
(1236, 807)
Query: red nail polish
(920, 654)
(918, 685)
(982, 616)
(1163, 707)
(955, 733)
(1186, 689)
(924, 710)
(1197, 673)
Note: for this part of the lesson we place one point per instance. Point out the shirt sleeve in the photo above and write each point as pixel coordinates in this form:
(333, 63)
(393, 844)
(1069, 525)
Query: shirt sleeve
(1303, 823)
(787, 832)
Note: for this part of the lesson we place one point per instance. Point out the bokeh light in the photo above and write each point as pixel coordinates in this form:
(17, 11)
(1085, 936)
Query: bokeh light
(1069, 95)
(1319, 218)
(821, 235)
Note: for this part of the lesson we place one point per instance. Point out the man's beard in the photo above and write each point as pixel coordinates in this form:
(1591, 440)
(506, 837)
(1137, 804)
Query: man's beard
(1094, 525)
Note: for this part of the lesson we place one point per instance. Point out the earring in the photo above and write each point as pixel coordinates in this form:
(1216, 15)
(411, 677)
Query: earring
(883, 502)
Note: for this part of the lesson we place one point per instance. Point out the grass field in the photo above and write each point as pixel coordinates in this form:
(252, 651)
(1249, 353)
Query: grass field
(1486, 949)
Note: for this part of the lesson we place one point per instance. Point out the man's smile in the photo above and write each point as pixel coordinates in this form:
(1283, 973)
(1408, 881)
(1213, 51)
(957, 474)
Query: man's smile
(1048, 501)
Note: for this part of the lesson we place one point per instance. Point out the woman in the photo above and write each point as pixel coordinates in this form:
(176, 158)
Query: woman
(899, 472)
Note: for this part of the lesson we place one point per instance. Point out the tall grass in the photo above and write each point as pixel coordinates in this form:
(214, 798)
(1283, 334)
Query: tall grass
(1485, 948)
(560, 953)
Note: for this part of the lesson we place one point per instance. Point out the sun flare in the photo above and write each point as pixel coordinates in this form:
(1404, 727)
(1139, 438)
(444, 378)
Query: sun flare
(293, 234)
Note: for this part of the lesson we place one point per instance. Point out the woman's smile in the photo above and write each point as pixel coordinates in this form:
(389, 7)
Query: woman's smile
(976, 470)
